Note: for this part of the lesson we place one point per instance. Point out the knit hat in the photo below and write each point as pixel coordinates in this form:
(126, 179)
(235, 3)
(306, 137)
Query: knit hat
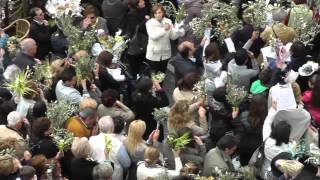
(13, 118)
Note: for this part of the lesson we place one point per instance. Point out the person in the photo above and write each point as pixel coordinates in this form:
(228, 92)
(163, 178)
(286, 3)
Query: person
(83, 125)
(180, 116)
(42, 142)
(240, 75)
(88, 103)
(160, 31)
(276, 143)
(27, 101)
(9, 167)
(65, 87)
(118, 130)
(112, 107)
(261, 86)
(39, 163)
(300, 12)
(41, 32)
(26, 58)
(13, 128)
(81, 167)
(144, 102)
(274, 172)
(118, 154)
(27, 173)
(4, 54)
(92, 20)
(184, 89)
(150, 168)
(220, 156)
(102, 172)
(193, 9)
(115, 12)
(311, 98)
(279, 29)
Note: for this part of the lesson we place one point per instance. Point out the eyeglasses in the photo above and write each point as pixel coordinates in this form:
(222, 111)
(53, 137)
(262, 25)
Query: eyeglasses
(92, 17)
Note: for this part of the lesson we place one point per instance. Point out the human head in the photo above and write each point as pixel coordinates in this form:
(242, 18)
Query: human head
(188, 81)
(29, 46)
(89, 117)
(283, 155)
(136, 4)
(279, 14)
(151, 155)
(41, 127)
(109, 97)
(265, 77)
(136, 130)
(102, 172)
(80, 54)
(34, 90)
(5, 108)
(298, 50)
(39, 162)
(14, 119)
(27, 173)
(179, 116)
(219, 94)
(91, 13)
(80, 147)
(280, 132)
(158, 12)
(6, 165)
(105, 58)
(57, 67)
(241, 57)
(212, 52)
(106, 124)
(39, 109)
(37, 14)
(88, 103)
(144, 85)
(258, 110)
(68, 77)
(118, 123)
(186, 49)
(228, 144)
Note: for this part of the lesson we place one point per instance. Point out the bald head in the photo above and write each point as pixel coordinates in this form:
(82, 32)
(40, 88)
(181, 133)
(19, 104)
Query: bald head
(106, 124)
(29, 46)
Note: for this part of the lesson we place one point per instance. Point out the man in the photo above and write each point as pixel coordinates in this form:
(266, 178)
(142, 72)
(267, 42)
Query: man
(189, 59)
(13, 127)
(84, 124)
(239, 73)
(279, 29)
(117, 154)
(26, 57)
(220, 156)
(41, 32)
(65, 87)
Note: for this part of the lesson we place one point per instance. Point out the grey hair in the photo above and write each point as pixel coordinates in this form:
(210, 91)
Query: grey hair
(27, 44)
(279, 14)
(102, 171)
(80, 147)
(106, 124)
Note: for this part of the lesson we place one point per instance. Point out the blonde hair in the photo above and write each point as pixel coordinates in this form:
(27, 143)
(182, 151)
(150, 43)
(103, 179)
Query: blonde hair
(88, 103)
(6, 165)
(80, 147)
(57, 67)
(151, 155)
(179, 115)
(135, 133)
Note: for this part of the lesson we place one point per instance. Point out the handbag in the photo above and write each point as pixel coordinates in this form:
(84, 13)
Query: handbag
(138, 43)
(257, 159)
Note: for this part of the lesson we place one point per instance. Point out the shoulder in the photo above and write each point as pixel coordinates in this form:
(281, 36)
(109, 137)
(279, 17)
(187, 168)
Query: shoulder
(167, 20)
(152, 22)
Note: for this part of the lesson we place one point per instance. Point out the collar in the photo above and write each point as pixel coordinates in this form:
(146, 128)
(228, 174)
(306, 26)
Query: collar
(13, 129)
(225, 157)
(38, 22)
(80, 119)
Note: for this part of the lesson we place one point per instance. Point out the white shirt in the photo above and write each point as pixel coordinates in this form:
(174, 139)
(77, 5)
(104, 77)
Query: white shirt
(24, 105)
(69, 93)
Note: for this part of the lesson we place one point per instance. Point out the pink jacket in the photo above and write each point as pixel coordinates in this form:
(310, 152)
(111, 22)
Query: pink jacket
(314, 111)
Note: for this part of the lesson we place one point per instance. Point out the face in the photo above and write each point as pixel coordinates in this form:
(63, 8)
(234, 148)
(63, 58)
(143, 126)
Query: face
(141, 4)
(74, 81)
(92, 121)
(158, 15)
(92, 18)
(39, 15)
(230, 151)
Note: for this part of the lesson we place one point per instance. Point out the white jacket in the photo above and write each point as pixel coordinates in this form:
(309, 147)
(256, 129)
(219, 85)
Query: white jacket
(159, 47)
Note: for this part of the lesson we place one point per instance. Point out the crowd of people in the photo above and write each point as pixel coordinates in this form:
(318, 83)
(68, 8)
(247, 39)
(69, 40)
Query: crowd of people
(282, 108)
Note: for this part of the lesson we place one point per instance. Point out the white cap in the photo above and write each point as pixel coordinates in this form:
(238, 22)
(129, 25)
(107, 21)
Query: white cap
(13, 118)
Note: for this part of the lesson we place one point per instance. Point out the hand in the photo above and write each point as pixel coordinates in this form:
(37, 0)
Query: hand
(251, 55)
(254, 35)
(16, 163)
(176, 153)
(147, 17)
(93, 87)
(155, 136)
(27, 155)
(37, 61)
(157, 86)
(45, 22)
(198, 140)
(26, 121)
(86, 23)
(235, 112)
(167, 27)
(84, 84)
(202, 111)
(59, 155)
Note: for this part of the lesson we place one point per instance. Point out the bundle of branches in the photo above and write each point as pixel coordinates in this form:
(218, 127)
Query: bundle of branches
(62, 138)
(176, 142)
(84, 67)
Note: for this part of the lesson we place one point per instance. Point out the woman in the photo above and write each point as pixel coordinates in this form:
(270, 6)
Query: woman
(184, 89)
(150, 167)
(145, 99)
(180, 117)
(112, 107)
(103, 79)
(311, 98)
(160, 31)
(300, 12)
(92, 21)
(4, 55)
(81, 166)
(276, 143)
(252, 121)
(41, 141)
(27, 101)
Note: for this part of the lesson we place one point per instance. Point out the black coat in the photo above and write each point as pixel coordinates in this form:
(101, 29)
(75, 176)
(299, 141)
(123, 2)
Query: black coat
(42, 35)
(44, 146)
(81, 169)
(106, 80)
(23, 60)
